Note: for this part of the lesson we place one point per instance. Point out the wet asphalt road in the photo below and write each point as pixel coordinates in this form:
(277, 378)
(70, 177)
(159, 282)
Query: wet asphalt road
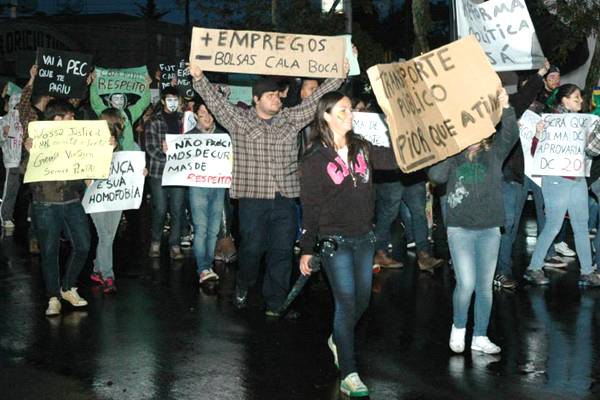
(163, 337)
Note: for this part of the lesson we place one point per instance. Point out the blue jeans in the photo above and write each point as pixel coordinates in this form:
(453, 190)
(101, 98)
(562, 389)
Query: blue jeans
(474, 253)
(560, 195)
(514, 196)
(106, 224)
(267, 225)
(350, 273)
(50, 220)
(163, 197)
(390, 197)
(206, 206)
(596, 189)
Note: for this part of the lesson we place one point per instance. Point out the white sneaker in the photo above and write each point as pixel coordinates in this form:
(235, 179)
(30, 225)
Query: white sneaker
(482, 343)
(457, 339)
(73, 297)
(563, 249)
(8, 224)
(352, 386)
(53, 306)
(208, 275)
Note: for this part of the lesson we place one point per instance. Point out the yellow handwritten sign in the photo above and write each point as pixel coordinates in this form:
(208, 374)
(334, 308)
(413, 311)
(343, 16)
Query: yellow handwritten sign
(438, 103)
(268, 53)
(68, 150)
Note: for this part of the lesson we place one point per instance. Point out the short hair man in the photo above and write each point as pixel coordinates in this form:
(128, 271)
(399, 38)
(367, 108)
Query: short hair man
(265, 180)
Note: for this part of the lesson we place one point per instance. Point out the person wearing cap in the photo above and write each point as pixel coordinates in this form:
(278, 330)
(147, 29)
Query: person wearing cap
(265, 180)
(551, 83)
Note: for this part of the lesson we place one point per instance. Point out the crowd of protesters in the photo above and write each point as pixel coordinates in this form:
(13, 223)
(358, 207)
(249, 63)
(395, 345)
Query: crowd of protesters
(297, 162)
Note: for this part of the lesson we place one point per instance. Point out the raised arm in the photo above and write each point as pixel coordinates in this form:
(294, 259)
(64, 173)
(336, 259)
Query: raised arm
(26, 114)
(304, 113)
(227, 114)
(95, 100)
(136, 110)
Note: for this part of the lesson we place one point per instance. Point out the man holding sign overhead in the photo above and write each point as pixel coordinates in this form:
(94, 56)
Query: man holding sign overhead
(265, 180)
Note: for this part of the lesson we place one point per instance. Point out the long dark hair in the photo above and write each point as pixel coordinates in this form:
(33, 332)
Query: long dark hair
(115, 123)
(322, 132)
(564, 91)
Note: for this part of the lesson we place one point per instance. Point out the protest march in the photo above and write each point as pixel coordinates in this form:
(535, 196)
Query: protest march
(248, 172)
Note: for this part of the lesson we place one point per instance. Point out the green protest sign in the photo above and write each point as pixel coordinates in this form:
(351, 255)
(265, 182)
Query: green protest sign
(128, 80)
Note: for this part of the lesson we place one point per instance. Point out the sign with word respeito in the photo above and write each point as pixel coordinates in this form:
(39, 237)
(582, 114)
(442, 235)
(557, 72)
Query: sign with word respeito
(439, 103)
(268, 53)
(177, 70)
(505, 31)
(62, 73)
(372, 127)
(68, 150)
(201, 160)
(561, 147)
(124, 188)
(129, 80)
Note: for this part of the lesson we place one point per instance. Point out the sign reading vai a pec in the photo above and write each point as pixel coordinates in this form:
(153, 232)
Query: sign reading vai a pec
(438, 103)
(268, 53)
(62, 73)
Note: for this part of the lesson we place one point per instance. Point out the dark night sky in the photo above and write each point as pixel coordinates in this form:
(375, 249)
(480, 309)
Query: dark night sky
(129, 7)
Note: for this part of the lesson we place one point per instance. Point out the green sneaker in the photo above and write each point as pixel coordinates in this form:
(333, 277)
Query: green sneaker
(352, 386)
(333, 349)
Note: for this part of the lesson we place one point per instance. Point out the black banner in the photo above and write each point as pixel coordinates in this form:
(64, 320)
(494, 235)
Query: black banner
(62, 73)
(177, 70)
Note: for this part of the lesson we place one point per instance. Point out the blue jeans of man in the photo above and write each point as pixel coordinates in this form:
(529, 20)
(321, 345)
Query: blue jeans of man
(50, 220)
(206, 206)
(107, 224)
(562, 195)
(390, 197)
(350, 273)
(164, 197)
(267, 226)
(474, 253)
(514, 196)
(596, 189)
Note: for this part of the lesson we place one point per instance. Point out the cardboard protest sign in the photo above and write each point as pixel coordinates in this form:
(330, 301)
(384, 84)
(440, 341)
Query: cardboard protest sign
(268, 53)
(527, 128)
(201, 160)
(505, 31)
(62, 73)
(68, 150)
(439, 103)
(124, 188)
(177, 70)
(352, 58)
(240, 93)
(129, 80)
(561, 147)
(372, 127)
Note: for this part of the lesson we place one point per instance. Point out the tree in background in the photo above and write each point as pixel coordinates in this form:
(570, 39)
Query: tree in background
(150, 11)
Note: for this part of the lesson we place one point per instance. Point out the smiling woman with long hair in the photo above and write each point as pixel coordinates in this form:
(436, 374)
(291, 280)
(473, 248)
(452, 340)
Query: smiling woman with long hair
(562, 194)
(335, 193)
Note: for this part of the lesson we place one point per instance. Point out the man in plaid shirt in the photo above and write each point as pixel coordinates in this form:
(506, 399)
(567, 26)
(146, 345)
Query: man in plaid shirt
(265, 180)
(168, 121)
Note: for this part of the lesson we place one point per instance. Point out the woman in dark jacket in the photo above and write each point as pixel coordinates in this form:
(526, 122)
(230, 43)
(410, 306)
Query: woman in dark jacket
(475, 213)
(335, 193)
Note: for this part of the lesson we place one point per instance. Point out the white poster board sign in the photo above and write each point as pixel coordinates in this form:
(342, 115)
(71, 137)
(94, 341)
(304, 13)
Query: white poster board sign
(200, 160)
(372, 127)
(561, 147)
(505, 31)
(528, 124)
(124, 188)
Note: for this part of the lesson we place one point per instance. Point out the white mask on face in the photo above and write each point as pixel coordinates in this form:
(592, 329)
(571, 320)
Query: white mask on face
(117, 101)
(172, 104)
